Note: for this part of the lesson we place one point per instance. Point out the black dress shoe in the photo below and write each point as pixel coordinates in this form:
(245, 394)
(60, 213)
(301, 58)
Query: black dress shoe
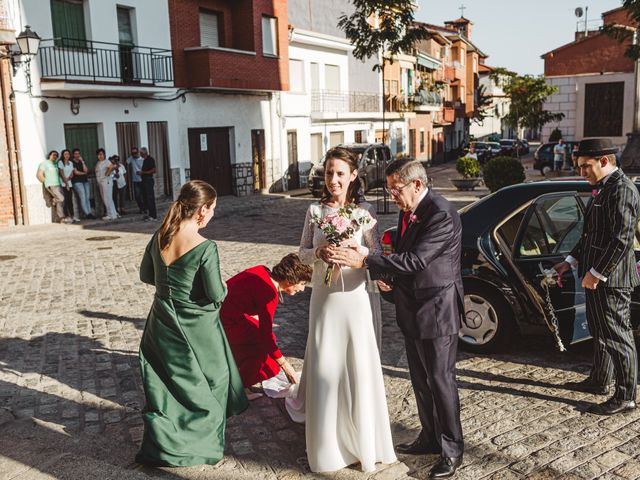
(418, 447)
(612, 406)
(445, 467)
(587, 386)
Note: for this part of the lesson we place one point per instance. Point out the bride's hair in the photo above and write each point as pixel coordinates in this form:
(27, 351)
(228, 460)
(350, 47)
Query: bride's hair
(291, 269)
(193, 195)
(354, 192)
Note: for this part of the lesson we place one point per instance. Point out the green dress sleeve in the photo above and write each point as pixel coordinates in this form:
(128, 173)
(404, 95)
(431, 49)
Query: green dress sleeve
(147, 274)
(214, 287)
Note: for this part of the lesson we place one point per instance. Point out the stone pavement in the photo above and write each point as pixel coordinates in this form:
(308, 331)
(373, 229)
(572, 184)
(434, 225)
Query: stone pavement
(72, 311)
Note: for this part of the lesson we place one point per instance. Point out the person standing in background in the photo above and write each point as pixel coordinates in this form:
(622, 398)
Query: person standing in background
(135, 162)
(49, 177)
(119, 184)
(105, 184)
(559, 153)
(65, 170)
(146, 172)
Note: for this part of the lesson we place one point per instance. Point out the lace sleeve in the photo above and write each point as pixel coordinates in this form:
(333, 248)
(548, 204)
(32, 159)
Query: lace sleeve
(307, 252)
(371, 235)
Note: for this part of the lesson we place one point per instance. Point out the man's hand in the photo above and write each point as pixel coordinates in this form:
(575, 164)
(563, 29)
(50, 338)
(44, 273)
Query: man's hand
(348, 257)
(562, 268)
(289, 372)
(590, 282)
(383, 286)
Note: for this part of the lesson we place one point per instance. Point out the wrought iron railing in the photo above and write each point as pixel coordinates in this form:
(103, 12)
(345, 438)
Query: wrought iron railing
(82, 60)
(427, 98)
(343, 102)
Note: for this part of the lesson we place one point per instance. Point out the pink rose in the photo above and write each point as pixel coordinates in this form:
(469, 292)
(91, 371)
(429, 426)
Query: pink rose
(340, 223)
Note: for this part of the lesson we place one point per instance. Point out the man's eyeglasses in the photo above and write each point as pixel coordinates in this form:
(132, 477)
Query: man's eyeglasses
(395, 192)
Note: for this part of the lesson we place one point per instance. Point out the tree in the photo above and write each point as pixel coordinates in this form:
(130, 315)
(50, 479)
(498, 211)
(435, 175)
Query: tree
(484, 103)
(527, 94)
(381, 29)
(624, 33)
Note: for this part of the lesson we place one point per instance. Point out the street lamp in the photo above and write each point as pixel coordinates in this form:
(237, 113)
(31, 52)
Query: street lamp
(28, 43)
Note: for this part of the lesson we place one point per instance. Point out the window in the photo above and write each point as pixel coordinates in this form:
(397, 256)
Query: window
(85, 137)
(209, 31)
(67, 17)
(296, 76)
(553, 228)
(332, 78)
(359, 136)
(463, 54)
(336, 138)
(316, 148)
(421, 141)
(315, 77)
(603, 107)
(399, 144)
(394, 87)
(269, 36)
(462, 99)
(125, 27)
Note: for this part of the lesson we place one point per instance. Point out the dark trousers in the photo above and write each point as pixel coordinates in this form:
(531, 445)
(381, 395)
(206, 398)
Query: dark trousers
(149, 196)
(118, 197)
(138, 195)
(68, 201)
(432, 364)
(614, 348)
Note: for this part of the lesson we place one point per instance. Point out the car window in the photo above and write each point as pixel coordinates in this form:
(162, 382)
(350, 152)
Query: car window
(553, 228)
(509, 229)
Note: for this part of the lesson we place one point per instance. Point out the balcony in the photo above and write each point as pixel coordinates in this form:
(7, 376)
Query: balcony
(85, 61)
(326, 104)
(427, 101)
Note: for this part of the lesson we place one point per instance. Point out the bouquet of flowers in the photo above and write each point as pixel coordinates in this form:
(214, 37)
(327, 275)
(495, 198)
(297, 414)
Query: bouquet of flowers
(339, 226)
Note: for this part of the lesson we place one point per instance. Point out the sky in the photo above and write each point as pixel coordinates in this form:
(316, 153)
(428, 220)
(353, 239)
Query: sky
(514, 33)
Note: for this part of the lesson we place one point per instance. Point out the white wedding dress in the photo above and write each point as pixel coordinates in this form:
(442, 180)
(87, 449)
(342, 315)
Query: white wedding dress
(341, 395)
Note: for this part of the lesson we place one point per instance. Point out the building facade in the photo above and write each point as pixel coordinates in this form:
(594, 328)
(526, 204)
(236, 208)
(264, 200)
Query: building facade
(595, 82)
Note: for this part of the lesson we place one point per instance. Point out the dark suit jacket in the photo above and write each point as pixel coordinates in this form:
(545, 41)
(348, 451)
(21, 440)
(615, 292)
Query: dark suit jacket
(427, 291)
(609, 228)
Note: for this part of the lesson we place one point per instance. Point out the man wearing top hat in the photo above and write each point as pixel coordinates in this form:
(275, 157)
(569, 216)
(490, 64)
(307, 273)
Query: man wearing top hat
(606, 263)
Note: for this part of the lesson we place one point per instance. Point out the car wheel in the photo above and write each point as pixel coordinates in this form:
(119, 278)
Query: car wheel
(487, 323)
(546, 169)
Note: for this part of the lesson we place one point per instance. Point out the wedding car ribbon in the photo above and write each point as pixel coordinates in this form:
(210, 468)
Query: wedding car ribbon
(551, 277)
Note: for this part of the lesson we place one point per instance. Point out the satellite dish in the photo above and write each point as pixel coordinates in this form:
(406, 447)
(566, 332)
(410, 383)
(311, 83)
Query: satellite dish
(579, 12)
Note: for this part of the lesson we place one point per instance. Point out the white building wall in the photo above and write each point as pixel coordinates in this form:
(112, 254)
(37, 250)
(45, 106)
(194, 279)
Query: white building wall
(570, 100)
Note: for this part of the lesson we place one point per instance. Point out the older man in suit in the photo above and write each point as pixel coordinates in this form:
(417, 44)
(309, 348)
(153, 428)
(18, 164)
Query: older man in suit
(428, 295)
(606, 262)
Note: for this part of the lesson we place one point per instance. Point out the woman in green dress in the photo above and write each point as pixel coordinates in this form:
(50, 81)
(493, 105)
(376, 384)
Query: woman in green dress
(191, 381)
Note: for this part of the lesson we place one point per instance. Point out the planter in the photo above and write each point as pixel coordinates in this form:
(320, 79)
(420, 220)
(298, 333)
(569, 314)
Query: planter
(465, 183)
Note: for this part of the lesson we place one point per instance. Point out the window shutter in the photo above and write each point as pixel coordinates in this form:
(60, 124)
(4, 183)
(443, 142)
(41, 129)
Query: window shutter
(209, 30)
(332, 78)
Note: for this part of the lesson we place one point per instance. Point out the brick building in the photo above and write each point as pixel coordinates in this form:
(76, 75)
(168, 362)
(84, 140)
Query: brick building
(595, 83)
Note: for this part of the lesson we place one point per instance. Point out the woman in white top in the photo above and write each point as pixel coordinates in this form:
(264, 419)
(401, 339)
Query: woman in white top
(341, 395)
(105, 184)
(65, 170)
(119, 183)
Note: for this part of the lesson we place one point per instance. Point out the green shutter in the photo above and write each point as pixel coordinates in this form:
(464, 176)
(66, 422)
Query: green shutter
(68, 23)
(84, 137)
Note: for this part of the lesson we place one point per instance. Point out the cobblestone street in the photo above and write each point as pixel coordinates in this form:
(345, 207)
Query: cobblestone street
(72, 310)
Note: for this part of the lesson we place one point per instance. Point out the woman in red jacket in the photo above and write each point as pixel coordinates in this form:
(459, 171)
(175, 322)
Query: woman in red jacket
(247, 317)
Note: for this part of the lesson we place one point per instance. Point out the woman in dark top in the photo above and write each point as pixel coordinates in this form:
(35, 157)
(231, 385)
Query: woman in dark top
(191, 382)
(247, 317)
(80, 182)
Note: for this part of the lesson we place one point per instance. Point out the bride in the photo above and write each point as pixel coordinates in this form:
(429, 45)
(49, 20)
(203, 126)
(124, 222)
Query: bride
(341, 394)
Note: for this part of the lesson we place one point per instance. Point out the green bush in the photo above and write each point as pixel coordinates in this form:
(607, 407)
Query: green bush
(556, 135)
(503, 171)
(468, 167)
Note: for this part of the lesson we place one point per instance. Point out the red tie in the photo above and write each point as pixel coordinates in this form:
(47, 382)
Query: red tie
(405, 222)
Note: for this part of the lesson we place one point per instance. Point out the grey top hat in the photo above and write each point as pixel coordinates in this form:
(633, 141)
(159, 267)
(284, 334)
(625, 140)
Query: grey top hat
(594, 147)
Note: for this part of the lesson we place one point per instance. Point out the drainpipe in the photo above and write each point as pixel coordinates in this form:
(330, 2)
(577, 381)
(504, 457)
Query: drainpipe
(20, 213)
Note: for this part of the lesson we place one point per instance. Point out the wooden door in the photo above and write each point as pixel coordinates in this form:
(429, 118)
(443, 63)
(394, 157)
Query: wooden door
(293, 173)
(258, 160)
(210, 158)
(157, 133)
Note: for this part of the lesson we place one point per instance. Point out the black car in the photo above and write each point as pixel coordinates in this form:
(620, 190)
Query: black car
(508, 239)
(543, 156)
(513, 147)
(371, 163)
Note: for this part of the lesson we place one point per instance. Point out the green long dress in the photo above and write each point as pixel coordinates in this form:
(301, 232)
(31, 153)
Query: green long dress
(191, 381)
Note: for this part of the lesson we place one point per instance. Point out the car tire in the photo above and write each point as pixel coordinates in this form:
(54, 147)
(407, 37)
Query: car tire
(488, 322)
(546, 169)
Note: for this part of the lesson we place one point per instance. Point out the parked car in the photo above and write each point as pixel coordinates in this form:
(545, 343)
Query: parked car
(526, 148)
(507, 238)
(513, 147)
(371, 164)
(496, 148)
(543, 156)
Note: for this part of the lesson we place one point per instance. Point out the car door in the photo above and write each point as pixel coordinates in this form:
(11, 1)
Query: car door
(551, 227)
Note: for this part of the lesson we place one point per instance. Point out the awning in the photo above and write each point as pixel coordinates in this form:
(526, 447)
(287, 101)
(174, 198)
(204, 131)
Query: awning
(427, 62)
